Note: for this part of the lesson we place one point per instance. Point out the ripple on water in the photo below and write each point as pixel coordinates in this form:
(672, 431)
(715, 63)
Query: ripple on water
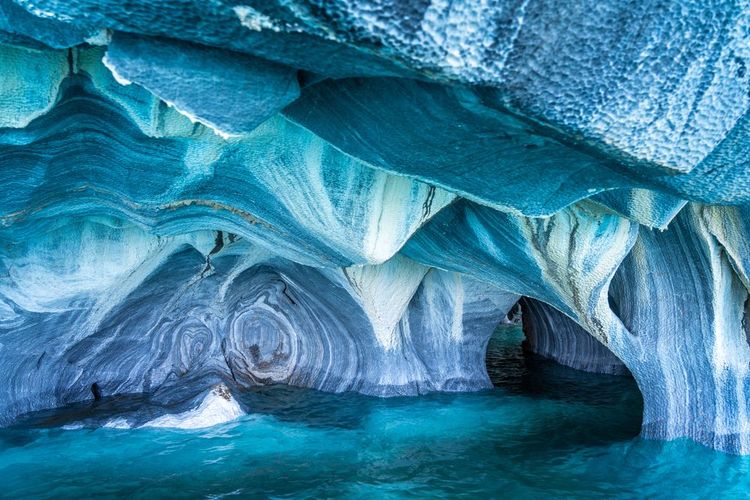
(543, 430)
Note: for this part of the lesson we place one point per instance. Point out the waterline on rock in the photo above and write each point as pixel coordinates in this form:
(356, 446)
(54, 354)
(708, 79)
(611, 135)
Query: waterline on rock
(543, 429)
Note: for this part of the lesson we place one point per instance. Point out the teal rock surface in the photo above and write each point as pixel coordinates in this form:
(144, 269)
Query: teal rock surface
(199, 198)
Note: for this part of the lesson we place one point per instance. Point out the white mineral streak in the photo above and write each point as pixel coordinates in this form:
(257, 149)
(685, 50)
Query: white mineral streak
(115, 74)
(218, 407)
(385, 292)
(254, 20)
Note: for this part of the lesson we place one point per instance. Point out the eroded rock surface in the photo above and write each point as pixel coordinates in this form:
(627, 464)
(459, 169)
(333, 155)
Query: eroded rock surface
(351, 195)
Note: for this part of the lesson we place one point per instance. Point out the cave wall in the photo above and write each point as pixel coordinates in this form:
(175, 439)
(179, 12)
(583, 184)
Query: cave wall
(552, 335)
(350, 195)
(683, 302)
(104, 302)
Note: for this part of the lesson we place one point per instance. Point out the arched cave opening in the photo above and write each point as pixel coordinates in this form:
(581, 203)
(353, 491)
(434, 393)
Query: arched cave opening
(546, 360)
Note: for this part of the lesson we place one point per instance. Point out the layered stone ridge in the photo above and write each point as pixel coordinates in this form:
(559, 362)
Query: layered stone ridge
(104, 302)
(197, 197)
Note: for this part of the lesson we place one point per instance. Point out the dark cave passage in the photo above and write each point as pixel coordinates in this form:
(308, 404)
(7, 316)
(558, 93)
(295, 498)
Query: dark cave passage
(609, 407)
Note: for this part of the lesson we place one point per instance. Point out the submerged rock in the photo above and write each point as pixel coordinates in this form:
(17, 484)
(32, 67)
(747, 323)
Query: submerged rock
(217, 407)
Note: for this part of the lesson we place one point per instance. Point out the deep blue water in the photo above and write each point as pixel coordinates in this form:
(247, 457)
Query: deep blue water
(543, 430)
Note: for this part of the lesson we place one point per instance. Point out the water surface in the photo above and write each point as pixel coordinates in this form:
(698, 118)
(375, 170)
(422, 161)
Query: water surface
(543, 430)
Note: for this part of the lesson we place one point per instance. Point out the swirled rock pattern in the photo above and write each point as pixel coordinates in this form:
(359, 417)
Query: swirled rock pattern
(105, 303)
(553, 335)
(350, 194)
(280, 185)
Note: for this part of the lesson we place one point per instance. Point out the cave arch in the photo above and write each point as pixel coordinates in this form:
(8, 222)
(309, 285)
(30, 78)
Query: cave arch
(553, 335)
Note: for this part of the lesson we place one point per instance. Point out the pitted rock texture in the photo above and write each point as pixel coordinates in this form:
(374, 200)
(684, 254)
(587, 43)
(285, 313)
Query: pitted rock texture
(351, 194)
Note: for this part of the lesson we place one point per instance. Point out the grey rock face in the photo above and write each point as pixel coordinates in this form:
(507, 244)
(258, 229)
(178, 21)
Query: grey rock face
(350, 194)
(106, 304)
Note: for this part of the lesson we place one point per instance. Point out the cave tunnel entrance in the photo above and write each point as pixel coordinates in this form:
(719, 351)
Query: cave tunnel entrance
(594, 407)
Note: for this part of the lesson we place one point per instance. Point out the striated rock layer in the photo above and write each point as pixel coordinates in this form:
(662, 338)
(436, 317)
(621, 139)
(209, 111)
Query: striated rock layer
(350, 195)
(102, 302)
(551, 334)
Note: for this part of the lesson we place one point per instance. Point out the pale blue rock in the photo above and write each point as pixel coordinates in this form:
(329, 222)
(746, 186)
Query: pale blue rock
(29, 83)
(350, 195)
(469, 141)
(103, 302)
(553, 335)
(567, 260)
(230, 92)
(280, 185)
(683, 302)
(673, 309)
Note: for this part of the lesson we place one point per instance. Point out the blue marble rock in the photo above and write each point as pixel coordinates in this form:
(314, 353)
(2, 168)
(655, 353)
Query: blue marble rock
(199, 197)
(689, 349)
(230, 92)
(279, 185)
(671, 305)
(469, 141)
(29, 83)
(551, 334)
(102, 302)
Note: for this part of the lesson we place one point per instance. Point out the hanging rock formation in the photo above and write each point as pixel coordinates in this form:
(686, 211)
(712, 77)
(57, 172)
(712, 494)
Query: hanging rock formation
(103, 302)
(351, 194)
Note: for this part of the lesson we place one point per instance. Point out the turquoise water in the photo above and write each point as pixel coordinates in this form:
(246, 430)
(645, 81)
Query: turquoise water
(543, 430)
